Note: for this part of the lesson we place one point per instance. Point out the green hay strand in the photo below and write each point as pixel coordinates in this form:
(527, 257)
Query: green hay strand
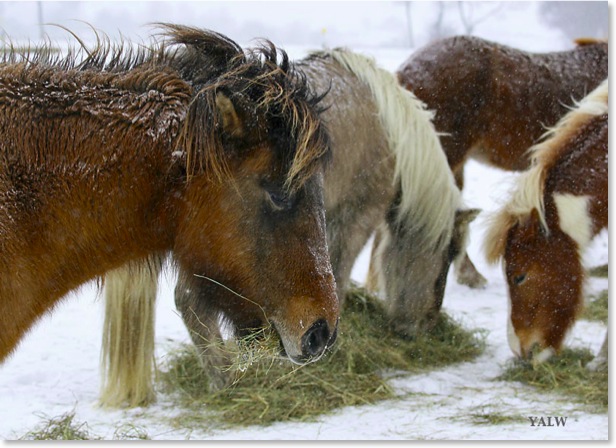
(350, 374)
(60, 428)
(64, 427)
(599, 271)
(597, 308)
(485, 415)
(565, 374)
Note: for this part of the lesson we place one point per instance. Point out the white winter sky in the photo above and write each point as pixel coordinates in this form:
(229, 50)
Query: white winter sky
(356, 24)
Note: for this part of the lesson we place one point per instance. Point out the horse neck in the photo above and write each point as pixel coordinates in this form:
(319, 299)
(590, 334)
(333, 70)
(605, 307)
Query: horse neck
(429, 196)
(93, 181)
(576, 185)
(579, 70)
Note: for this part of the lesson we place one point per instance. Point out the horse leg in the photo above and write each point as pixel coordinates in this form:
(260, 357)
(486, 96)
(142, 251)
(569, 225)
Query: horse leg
(348, 230)
(128, 335)
(204, 329)
(467, 274)
(458, 175)
(373, 281)
(600, 361)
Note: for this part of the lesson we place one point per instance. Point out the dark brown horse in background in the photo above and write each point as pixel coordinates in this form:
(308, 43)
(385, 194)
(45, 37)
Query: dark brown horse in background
(492, 102)
(383, 173)
(557, 208)
(193, 147)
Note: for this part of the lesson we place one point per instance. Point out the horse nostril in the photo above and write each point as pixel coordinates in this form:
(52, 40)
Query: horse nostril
(315, 339)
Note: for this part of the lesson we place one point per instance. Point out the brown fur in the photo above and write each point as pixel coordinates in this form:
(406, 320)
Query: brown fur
(129, 156)
(543, 263)
(492, 102)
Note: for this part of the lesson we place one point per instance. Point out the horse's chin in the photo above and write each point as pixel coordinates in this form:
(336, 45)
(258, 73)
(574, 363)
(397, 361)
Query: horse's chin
(300, 360)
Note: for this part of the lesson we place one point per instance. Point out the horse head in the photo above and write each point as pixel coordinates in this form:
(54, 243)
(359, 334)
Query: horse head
(545, 277)
(254, 150)
(414, 275)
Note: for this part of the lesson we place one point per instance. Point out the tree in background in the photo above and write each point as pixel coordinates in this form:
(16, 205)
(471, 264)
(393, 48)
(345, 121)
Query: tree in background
(456, 17)
(577, 19)
(473, 13)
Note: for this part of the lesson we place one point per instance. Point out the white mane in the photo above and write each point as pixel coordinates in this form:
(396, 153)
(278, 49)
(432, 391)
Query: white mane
(529, 191)
(430, 196)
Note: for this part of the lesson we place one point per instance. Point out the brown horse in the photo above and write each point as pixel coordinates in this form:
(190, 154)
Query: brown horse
(493, 102)
(382, 172)
(192, 147)
(559, 205)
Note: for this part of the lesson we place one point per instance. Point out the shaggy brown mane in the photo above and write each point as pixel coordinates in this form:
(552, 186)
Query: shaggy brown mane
(263, 75)
(179, 64)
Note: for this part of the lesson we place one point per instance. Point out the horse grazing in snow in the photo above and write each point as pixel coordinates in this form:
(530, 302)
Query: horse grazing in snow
(192, 147)
(559, 205)
(492, 102)
(384, 173)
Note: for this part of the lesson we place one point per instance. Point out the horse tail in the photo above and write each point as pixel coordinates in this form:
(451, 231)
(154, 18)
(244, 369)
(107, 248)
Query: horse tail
(429, 195)
(127, 355)
(584, 41)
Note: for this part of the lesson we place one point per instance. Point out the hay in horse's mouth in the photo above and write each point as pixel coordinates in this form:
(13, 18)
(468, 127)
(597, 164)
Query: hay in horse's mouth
(254, 347)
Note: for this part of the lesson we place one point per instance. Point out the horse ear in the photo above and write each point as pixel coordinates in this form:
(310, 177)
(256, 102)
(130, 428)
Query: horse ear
(534, 224)
(231, 122)
(466, 216)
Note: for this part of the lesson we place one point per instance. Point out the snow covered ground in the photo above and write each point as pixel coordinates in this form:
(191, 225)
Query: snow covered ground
(55, 369)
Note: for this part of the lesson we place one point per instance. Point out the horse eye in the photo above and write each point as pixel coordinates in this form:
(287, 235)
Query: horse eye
(519, 279)
(279, 201)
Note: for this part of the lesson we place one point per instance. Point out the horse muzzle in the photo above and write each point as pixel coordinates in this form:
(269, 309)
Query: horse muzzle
(313, 343)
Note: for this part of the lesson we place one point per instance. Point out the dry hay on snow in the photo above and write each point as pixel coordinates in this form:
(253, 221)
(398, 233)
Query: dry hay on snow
(353, 373)
(567, 375)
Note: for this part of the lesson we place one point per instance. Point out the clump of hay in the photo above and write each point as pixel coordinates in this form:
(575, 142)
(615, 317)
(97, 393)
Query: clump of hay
(352, 373)
(64, 427)
(60, 428)
(488, 415)
(597, 308)
(599, 271)
(564, 374)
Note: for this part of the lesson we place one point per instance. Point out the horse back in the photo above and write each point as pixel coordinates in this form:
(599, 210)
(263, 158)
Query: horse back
(452, 77)
(493, 101)
(582, 171)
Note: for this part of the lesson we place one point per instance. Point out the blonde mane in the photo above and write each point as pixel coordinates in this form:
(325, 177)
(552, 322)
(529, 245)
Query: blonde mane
(430, 197)
(528, 192)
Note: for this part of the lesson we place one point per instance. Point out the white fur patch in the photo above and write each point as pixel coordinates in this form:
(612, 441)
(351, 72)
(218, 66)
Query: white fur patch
(512, 338)
(574, 218)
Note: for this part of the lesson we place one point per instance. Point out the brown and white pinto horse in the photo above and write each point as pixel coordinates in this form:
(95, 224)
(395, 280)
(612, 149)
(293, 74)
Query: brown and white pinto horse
(559, 205)
(384, 173)
(492, 102)
(191, 147)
